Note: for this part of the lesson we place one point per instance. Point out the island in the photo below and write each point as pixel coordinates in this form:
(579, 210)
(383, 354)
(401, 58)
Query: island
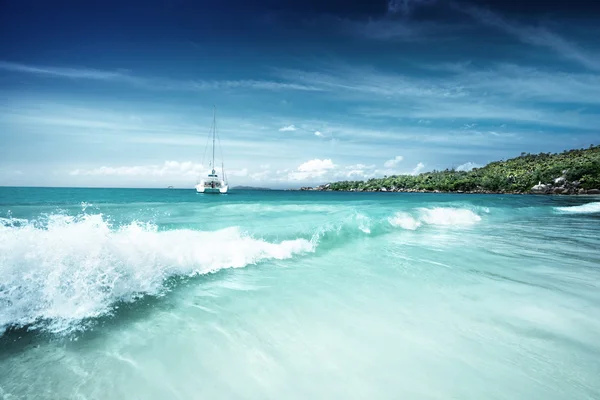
(570, 172)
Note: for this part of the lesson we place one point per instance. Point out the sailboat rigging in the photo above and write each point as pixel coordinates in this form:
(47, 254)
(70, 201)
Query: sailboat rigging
(213, 184)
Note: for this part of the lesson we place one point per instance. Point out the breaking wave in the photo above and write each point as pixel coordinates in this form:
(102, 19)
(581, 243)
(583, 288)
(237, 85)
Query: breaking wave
(57, 273)
(589, 208)
(435, 216)
(60, 271)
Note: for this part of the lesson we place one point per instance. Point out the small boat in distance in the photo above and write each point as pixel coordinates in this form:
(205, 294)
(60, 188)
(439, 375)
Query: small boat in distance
(213, 184)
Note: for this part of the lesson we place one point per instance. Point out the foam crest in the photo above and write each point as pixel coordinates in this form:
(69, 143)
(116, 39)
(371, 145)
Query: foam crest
(57, 274)
(448, 216)
(404, 221)
(589, 208)
(443, 216)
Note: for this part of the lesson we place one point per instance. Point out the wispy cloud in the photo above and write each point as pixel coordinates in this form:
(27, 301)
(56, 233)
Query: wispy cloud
(393, 162)
(368, 80)
(168, 169)
(289, 128)
(152, 83)
(418, 169)
(535, 35)
(74, 73)
(503, 92)
(528, 83)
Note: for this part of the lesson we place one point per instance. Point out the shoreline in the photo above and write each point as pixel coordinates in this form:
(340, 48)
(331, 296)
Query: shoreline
(562, 192)
(572, 172)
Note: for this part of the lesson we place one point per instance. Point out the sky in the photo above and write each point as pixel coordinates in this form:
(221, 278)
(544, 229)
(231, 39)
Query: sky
(121, 93)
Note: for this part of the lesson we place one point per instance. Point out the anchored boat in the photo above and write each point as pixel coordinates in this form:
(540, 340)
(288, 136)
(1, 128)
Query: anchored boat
(213, 184)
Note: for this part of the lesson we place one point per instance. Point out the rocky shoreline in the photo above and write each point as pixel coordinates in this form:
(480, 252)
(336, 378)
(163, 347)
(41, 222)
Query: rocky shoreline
(559, 187)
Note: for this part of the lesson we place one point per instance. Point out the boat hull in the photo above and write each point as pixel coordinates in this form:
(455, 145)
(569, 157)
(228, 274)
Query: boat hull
(210, 190)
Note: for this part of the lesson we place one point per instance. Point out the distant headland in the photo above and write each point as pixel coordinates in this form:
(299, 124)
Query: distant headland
(570, 172)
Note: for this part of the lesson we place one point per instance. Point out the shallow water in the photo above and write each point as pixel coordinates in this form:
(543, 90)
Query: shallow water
(124, 293)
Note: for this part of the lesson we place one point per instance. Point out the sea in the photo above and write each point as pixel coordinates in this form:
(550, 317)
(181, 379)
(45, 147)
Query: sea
(169, 294)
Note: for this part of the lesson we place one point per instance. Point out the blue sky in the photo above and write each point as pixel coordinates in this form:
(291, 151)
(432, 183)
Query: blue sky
(121, 93)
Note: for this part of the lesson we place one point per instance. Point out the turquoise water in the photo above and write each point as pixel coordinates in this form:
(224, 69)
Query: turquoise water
(154, 294)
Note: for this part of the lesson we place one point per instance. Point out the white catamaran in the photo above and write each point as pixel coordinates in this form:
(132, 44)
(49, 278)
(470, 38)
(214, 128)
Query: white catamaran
(213, 184)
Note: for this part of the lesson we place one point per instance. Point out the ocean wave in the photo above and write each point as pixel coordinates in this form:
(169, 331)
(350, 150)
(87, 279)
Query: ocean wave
(56, 274)
(589, 208)
(345, 229)
(441, 216)
(59, 271)
(361, 225)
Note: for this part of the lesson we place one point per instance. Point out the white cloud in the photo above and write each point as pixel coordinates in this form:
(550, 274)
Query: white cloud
(289, 128)
(168, 169)
(311, 169)
(317, 133)
(316, 165)
(467, 166)
(418, 169)
(360, 166)
(393, 162)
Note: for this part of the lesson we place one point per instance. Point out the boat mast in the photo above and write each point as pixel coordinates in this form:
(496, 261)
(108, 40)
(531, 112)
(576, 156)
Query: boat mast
(214, 129)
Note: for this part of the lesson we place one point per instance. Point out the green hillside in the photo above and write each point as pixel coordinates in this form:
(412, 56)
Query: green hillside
(579, 168)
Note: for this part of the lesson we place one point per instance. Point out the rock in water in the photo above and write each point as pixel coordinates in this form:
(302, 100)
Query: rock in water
(593, 191)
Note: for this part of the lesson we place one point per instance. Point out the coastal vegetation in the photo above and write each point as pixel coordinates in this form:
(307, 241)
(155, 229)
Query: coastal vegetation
(569, 172)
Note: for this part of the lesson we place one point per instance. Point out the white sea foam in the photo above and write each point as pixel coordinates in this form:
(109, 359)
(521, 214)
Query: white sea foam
(448, 216)
(363, 222)
(435, 216)
(589, 208)
(404, 221)
(76, 268)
